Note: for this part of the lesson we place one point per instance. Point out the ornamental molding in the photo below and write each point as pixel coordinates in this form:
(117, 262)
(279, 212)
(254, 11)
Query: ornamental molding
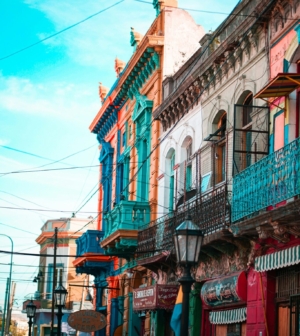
(214, 70)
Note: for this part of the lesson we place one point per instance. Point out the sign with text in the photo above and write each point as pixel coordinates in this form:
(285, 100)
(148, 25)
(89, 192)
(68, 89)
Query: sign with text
(87, 320)
(155, 297)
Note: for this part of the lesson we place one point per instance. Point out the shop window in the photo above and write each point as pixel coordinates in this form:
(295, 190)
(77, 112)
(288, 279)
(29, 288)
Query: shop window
(234, 329)
(295, 315)
(287, 282)
(288, 299)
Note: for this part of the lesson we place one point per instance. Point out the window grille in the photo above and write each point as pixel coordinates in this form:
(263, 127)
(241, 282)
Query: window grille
(251, 135)
(295, 315)
(288, 282)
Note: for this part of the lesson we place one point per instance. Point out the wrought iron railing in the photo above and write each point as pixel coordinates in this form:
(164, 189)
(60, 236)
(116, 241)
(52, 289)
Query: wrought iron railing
(272, 180)
(156, 237)
(210, 211)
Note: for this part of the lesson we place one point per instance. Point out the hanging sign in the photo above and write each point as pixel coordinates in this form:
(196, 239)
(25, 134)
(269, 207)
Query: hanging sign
(155, 297)
(226, 290)
(87, 320)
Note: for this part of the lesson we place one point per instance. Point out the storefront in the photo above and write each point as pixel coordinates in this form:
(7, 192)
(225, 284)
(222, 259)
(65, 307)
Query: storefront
(284, 266)
(224, 306)
(159, 301)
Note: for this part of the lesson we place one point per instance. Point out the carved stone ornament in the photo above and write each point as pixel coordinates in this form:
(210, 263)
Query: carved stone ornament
(254, 39)
(213, 267)
(238, 54)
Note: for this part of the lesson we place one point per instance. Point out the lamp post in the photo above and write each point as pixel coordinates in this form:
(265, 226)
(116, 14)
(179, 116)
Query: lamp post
(30, 311)
(188, 240)
(60, 296)
(7, 294)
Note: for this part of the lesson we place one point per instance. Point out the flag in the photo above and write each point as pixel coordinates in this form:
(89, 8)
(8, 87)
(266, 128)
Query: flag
(176, 316)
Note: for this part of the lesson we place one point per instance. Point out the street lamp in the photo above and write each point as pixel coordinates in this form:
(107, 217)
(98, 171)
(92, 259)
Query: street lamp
(188, 240)
(60, 296)
(30, 311)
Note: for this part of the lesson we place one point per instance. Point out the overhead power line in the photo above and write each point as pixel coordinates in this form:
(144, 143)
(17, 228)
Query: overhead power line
(213, 12)
(13, 227)
(54, 169)
(44, 158)
(61, 31)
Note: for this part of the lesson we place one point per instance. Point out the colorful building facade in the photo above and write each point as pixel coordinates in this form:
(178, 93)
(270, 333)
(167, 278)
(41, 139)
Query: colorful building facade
(215, 136)
(128, 139)
(69, 229)
(240, 184)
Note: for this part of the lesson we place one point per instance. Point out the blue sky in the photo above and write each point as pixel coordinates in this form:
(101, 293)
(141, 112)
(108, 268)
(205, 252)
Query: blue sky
(48, 98)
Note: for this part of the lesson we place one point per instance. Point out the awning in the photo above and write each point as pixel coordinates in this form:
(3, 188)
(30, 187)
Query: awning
(228, 316)
(282, 85)
(280, 259)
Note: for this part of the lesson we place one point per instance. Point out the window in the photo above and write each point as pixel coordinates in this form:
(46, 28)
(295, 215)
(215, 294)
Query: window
(189, 166)
(247, 127)
(171, 186)
(295, 315)
(220, 151)
(58, 274)
(124, 139)
(234, 329)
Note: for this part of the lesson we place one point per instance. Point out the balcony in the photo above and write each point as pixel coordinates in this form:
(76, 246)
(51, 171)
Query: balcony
(210, 211)
(267, 183)
(90, 258)
(122, 225)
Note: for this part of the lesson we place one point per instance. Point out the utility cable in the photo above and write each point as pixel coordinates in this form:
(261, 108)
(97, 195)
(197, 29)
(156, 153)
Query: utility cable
(214, 12)
(61, 31)
(47, 164)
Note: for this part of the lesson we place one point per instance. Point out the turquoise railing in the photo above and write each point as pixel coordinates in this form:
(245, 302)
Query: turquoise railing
(89, 242)
(271, 180)
(127, 215)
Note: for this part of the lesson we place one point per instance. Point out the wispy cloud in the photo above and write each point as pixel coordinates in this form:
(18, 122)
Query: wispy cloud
(55, 99)
(92, 42)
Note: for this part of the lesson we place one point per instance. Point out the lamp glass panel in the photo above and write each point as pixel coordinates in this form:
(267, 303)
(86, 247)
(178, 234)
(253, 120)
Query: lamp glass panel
(60, 297)
(191, 248)
(30, 310)
(197, 253)
(182, 244)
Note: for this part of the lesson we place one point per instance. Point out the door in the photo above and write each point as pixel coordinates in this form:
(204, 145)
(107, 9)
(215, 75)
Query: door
(283, 321)
(221, 330)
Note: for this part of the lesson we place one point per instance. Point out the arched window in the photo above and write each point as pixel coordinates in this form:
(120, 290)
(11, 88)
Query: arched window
(186, 164)
(170, 179)
(220, 150)
(247, 127)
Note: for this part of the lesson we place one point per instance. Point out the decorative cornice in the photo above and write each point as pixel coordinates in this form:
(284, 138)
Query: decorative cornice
(212, 69)
(135, 38)
(138, 70)
(143, 69)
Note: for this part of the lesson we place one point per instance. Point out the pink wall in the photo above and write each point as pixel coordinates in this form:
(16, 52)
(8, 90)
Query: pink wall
(278, 51)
